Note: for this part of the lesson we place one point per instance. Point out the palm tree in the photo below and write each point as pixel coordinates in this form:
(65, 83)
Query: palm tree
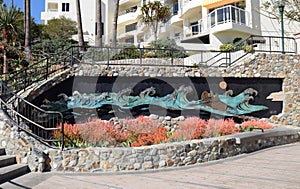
(27, 20)
(153, 13)
(99, 24)
(9, 22)
(115, 23)
(79, 25)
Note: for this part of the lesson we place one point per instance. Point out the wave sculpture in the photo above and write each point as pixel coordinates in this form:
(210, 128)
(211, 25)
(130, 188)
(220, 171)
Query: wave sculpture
(224, 104)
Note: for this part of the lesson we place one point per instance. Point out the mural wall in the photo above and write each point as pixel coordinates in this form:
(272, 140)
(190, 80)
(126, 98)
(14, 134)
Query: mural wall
(105, 97)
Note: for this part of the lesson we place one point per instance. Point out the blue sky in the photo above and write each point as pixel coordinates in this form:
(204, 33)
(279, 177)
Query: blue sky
(37, 6)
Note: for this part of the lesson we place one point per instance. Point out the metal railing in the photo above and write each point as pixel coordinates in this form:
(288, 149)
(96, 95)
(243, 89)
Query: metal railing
(174, 57)
(42, 69)
(227, 14)
(33, 120)
(272, 44)
(131, 9)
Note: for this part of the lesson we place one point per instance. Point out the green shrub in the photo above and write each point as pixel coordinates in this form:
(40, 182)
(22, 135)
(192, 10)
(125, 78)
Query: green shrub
(169, 48)
(248, 48)
(127, 53)
(226, 47)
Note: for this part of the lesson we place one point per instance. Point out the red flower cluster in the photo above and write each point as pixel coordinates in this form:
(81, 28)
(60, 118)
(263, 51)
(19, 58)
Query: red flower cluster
(71, 133)
(190, 128)
(144, 131)
(155, 137)
(255, 124)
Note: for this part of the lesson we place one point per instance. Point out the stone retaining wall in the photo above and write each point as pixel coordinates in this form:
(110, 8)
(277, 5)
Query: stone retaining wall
(40, 157)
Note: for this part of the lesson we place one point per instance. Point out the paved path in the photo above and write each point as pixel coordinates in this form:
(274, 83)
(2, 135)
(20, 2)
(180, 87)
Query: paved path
(277, 167)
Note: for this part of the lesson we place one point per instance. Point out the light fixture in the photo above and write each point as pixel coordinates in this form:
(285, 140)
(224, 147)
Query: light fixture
(281, 4)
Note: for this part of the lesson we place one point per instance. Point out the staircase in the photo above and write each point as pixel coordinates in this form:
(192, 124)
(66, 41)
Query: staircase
(9, 168)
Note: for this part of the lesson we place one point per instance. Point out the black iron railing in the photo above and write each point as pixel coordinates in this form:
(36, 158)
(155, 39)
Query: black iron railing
(33, 120)
(272, 44)
(154, 57)
(43, 68)
(184, 58)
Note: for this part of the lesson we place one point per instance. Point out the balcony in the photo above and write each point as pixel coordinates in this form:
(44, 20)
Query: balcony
(130, 30)
(221, 19)
(190, 7)
(123, 2)
(129, 15)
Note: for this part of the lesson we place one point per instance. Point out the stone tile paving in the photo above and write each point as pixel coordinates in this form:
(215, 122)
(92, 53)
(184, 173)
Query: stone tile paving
(276, 167)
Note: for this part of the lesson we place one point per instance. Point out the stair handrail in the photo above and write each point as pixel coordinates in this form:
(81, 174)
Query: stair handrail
(10, 107)
(40, 69)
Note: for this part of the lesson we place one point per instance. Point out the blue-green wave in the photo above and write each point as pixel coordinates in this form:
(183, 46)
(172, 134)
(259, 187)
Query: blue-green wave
(224, 105)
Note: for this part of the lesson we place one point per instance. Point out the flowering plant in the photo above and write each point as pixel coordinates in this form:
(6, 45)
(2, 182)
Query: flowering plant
(145, 131)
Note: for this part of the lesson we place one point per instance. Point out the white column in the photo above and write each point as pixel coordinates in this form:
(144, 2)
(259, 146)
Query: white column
(297, 38)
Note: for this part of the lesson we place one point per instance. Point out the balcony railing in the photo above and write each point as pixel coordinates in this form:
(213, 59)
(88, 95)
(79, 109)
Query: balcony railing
(227, 14)
(129, 10)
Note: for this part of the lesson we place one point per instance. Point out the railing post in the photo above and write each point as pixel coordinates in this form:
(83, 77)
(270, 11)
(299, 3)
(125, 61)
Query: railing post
(141, 56)
(229, 60)
(270, 46)
(94, 49)
(47, 67)
(295, 45)
(25, 79)
(172, 57)
(62, 135)
(18, 110)
(108, 56)
(72, 53)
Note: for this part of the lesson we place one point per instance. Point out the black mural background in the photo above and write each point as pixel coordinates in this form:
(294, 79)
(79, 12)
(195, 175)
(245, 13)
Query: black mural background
(163, 86)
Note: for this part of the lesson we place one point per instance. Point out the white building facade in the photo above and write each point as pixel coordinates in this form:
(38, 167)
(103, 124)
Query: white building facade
(67, 8)
(194, 24)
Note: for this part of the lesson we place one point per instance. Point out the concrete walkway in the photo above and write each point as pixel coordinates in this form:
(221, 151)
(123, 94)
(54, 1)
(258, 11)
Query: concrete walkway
(277, 167)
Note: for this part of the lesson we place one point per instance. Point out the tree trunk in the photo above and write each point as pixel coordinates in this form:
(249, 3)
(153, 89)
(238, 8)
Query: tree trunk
(5, 65)
(27, 30)
(99, 24)
(155, 30)
(5, 69)
(79, 26)
(115, 23)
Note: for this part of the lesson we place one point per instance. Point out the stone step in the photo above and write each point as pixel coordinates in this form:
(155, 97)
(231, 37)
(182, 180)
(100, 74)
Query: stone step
(7, 160)
(12, 171)
(2, 151)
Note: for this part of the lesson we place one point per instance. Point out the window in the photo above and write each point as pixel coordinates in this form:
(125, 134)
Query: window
(52, 7)
(65, 7)
(212, 19)
(195, 28)
(130, 27)
(129, 40)
(175, 9)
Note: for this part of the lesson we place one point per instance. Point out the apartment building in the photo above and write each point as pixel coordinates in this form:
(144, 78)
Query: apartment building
(67, 8)
(203, 24)
(194, 24)
(132, 30)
